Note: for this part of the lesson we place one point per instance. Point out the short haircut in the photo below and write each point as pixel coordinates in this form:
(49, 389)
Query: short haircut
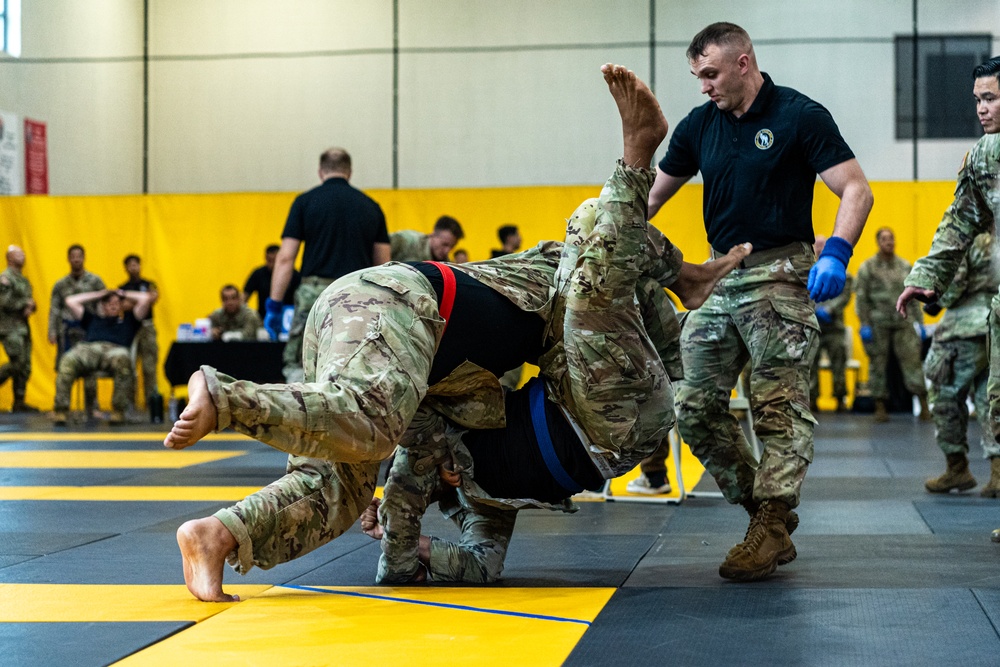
(335, 160)
(129, 258)
(274, 247)
(989, 68)
(719, 34)
(446, 223)
(506, 232)
(75, 246)
(878, 233)
(110, 295)
(226, 288)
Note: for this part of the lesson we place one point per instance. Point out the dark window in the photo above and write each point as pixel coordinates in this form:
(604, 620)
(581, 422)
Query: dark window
(934, 89)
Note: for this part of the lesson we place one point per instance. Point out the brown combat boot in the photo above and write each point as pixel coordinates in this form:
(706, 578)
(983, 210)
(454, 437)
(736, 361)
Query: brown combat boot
(767, 543)
(925, 411)
(956, 477)
(992, 488)
(791, 523)
(881, 414)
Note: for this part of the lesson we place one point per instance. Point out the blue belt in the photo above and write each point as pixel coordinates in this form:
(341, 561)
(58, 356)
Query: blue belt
(536, 395)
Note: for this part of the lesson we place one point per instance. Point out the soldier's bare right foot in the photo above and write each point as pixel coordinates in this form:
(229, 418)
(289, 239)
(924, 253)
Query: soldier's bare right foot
(643, 124)
(198, 419)
(204, 545)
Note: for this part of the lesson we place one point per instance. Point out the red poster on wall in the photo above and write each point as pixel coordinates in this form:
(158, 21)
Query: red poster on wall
(36, 161)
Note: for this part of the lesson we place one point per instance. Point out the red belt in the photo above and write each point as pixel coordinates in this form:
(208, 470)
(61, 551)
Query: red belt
(447, 293)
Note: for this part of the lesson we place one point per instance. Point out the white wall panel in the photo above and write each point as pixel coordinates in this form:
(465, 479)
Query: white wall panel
(74, 29)
(517, 118)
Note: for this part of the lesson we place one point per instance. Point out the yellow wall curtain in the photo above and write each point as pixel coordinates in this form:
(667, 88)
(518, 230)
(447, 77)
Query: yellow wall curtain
(192, 245)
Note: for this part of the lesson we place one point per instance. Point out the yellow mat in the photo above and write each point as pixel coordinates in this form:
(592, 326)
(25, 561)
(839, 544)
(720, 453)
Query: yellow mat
(127, 493)
(365, 626)
(110, 458)
(110, 437)
(691, 469)
(81, 603)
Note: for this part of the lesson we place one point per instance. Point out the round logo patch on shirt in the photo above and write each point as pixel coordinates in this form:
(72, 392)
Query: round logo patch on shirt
(764, 139)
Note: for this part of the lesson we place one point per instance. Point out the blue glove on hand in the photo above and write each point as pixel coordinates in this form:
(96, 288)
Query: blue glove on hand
(829, 273)
(866, 334)
(823, 315)
(272, 317)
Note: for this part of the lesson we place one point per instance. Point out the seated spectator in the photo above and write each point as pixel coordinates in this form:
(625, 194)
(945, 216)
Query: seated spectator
(510, 239)
(259, 282)
(109, 335)
(412, 246)
(461, 256)
(234, 321)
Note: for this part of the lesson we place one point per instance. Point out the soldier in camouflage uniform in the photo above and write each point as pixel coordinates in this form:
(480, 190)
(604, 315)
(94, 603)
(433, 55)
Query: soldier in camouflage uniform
(759, 148)
(146, 348)
(830, 316)
(880, 280)
(65, 330)
(370, 343)
(234, 316)
(412, 246)
(973, 212)
(16, 305)
(957, 365)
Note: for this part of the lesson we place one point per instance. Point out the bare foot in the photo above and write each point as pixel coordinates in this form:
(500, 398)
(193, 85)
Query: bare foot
(643, 124)
(204, 544)
(369, 521)
(695, 282)
(198, 419)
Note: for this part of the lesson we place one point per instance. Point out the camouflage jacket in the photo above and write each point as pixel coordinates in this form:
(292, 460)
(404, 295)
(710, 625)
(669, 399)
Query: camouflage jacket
(968, 297)
(245, 320)
(410, 246)
(835, 308)
(977, 198)
(68, 286)
(877, 287)
(15, 293)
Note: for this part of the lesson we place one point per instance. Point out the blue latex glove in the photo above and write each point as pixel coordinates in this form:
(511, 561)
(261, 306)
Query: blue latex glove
(866, 334)
(272, 317)
(823, 315)
(829, 273)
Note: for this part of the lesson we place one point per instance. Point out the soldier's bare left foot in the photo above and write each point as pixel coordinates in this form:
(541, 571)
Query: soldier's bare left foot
(643, 124)
(695, 282)
(204, 545)
(198, 419)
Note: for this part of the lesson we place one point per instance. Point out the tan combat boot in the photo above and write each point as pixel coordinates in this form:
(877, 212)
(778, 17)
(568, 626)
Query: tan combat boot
(956, 477)
(992, 488)
(791, 523)
(767, 543)
(925, 411)
(881, 414)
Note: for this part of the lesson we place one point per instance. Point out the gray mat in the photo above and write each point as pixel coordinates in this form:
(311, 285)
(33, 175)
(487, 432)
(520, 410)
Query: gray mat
(65, 476)
(739, 626)
(78, 644)
(7, 561)
(848, 466)
(93, 517)
(29, 543)
(860, 488)
(597, 518)
(967, 513)
(836, 562)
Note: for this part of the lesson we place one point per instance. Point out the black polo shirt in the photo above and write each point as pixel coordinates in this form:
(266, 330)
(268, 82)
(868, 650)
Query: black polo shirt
(759, 169)
(338, 225)
(120, 331)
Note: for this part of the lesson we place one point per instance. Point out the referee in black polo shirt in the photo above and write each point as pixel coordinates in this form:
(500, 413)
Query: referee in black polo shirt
(343, 230)
(759, 148)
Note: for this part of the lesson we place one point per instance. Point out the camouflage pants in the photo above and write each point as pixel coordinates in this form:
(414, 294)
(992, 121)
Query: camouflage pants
(367, 351)
(66, 338)
(86, 358)
(147, 353)
(831, 340)
(761, 314)
(905, 342)
(993, 384)
(957, 369)
(306, 295)
(485, 531)
(17, 344)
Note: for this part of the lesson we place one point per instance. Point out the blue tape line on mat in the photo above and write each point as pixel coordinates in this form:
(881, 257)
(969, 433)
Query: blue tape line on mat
(443, 605)
(537, 397)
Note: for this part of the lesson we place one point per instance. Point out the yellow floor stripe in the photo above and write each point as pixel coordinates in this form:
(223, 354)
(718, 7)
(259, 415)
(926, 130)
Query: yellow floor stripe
(81, 603)
(284, 626)
(81, 458)
(127, 493)
(110, 437)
